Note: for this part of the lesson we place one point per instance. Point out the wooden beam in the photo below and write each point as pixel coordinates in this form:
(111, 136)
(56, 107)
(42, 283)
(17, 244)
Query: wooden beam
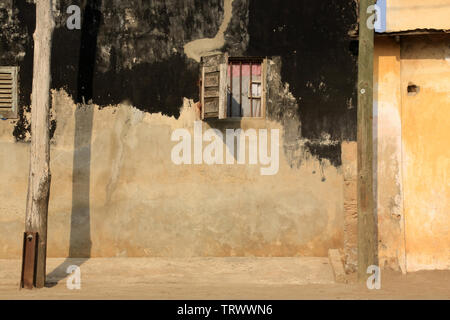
(367, 224)
(39, 174)
(240, 89)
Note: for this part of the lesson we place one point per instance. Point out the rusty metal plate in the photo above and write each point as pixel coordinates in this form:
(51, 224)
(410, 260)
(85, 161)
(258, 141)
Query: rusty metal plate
(30, 241)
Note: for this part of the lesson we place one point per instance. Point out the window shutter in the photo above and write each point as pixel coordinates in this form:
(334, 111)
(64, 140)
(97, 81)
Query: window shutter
(8, 92)
(214, 86)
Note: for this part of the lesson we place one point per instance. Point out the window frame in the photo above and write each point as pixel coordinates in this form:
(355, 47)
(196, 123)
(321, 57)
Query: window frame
(258, 60)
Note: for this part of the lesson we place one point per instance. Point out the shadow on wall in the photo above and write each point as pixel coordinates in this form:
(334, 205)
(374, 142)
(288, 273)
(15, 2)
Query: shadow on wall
(319, 62)
(155, 82)
(80, 225)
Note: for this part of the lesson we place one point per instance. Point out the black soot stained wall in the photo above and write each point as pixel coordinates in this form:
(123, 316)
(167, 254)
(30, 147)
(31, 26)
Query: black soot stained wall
(133, 51)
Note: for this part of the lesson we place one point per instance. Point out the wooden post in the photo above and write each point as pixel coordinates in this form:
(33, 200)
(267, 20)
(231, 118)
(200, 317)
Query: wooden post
(39, 174)
(367, 224)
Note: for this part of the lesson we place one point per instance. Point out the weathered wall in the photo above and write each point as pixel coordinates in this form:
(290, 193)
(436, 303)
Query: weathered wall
(388, 151)
(128, 47)
(120, 194)
(350, 172)
(403, 15)
(412, 160)
(425, 62)
(115, 190)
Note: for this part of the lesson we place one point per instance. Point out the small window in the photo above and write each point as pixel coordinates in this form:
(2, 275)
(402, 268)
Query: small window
(245, 87)
(8, 92)
(232, 87)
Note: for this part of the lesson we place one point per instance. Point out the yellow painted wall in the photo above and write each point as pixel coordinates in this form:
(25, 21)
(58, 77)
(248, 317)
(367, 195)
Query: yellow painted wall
(387, 144)
(425, 61)
(404, 15)
(412, 134)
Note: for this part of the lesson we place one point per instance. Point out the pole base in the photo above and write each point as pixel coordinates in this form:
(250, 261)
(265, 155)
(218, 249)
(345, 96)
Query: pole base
(29, 260)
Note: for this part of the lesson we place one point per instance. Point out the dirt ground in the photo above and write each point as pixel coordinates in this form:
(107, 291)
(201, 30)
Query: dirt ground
(216, 278)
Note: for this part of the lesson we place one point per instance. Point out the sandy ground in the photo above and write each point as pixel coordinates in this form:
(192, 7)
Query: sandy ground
(216, 278)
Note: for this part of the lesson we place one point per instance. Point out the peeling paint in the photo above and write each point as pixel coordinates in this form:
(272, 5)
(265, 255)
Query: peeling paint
(117, 188)
(412, 165)
(388, 151)
(426, 156)
(130, 196)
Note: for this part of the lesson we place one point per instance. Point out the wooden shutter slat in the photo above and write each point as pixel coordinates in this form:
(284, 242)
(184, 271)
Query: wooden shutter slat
(211, 79)
(223, 84)
(212, 92)
(8, 92)
(211, 105)
(211, 69)
(212, 85)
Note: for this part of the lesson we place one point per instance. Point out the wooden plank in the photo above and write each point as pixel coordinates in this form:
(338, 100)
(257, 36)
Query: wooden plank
(212, 79)
(231, 90)
(223, 90)
(210, 69)
(39, 177)
(264, 84)
(214, 60)
(211, 105)
(212, 92)
(240, 89)
(251, 89)
(367, 224)
(203, 93)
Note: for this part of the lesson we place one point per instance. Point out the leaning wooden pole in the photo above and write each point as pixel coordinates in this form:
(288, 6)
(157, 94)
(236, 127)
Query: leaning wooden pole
(39, 175)
(367, 224)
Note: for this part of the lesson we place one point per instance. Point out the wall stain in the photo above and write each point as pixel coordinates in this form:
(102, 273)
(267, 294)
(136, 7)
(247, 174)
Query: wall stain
(140, 60)
(318, 63)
